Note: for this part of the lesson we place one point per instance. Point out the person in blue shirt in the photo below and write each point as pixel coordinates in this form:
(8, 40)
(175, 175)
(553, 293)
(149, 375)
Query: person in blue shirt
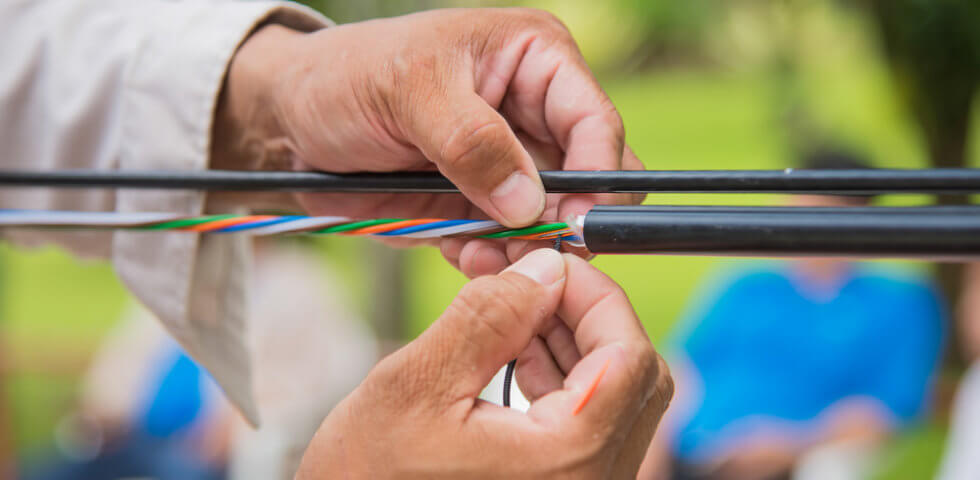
(789, 356)
(174, 419)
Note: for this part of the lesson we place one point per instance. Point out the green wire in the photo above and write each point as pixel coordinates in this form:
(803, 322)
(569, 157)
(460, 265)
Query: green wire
(548, 227)
(354, 226)
(186, 222)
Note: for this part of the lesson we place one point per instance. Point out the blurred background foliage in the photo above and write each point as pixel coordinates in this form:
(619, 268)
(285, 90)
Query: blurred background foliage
(701, 84)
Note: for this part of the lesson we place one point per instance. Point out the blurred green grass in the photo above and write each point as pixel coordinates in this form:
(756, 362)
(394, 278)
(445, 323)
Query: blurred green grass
(54, 307)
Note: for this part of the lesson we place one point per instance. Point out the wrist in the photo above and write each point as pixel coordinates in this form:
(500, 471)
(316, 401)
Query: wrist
(247, 133)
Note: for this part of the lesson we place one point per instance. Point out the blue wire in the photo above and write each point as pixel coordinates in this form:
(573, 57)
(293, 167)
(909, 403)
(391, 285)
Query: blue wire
(261, 223)
(426, 226)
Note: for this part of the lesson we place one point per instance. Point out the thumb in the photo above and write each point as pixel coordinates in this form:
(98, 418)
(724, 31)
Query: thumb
(489, 323)
(475, 148)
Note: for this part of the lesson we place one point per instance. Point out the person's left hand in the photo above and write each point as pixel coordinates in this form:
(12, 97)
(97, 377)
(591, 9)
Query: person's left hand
(484, 96)
(595, 403)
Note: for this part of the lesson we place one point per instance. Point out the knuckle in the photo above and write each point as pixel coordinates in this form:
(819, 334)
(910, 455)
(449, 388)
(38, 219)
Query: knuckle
(403, 77)
(545, 19)
(615, 120)
(644, 364)
(386, 79)
(608, 115)
(542, 15)
(650, 363)
(664, 385)
(394, 70)
(647, 357)
(537, 23)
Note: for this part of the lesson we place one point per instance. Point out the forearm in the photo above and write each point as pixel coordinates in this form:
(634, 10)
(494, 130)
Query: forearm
(246, 134)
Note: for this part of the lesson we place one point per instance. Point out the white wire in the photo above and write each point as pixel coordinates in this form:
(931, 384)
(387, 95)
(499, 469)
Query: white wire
(462, 228)
(301, 224)
(100, 219)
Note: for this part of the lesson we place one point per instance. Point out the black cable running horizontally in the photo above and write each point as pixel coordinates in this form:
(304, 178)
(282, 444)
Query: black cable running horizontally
(854, 182)
(897, 232)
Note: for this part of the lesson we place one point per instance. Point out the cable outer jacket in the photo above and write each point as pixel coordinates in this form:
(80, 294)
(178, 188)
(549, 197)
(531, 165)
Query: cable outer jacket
(843, 182)
(924, 232)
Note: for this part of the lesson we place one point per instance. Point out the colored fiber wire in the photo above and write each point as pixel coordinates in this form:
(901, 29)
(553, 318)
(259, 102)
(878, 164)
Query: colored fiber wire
(938, 232)
(285, 224)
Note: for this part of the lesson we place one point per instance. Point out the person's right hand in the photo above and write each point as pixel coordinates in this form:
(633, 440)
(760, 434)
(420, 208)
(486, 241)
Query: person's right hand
(417, 414)
(485, 96)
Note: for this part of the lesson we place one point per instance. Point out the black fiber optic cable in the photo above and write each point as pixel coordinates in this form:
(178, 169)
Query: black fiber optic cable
(844, 182)
(895, 232)
(508, 378)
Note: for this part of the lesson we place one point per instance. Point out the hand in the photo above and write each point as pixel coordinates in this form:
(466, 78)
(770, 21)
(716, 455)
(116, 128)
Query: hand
(486, 97)
(417, 414)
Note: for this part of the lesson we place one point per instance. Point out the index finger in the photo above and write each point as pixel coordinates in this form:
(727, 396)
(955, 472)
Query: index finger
(588, 128)
(590, 131)
(555, 99)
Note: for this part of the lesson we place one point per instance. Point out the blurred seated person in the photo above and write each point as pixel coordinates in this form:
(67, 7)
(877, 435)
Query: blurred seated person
(791, 358)
(150, 411)
(147, 411)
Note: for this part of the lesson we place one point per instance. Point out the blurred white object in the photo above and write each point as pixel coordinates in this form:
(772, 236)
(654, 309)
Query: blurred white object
(309, 350)
(962, 458)
(494, 392)
(838, 461)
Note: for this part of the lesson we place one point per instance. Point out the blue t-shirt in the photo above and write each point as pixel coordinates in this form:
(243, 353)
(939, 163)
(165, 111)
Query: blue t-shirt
(764, 350)
(178, 398)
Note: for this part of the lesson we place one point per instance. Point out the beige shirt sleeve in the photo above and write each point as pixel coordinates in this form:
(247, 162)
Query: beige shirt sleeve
(132, 84)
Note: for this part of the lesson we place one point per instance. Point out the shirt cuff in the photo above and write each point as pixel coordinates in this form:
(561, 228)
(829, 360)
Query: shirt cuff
(195, 286)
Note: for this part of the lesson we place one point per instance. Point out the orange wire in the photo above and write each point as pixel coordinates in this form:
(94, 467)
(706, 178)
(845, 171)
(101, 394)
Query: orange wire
(387, 227)
(544, 236)
(591, 390)
(553, 235)
(228, 222)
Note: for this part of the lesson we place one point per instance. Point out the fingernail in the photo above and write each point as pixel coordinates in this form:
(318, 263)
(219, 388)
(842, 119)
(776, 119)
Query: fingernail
(519, 199)
(544, 266)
